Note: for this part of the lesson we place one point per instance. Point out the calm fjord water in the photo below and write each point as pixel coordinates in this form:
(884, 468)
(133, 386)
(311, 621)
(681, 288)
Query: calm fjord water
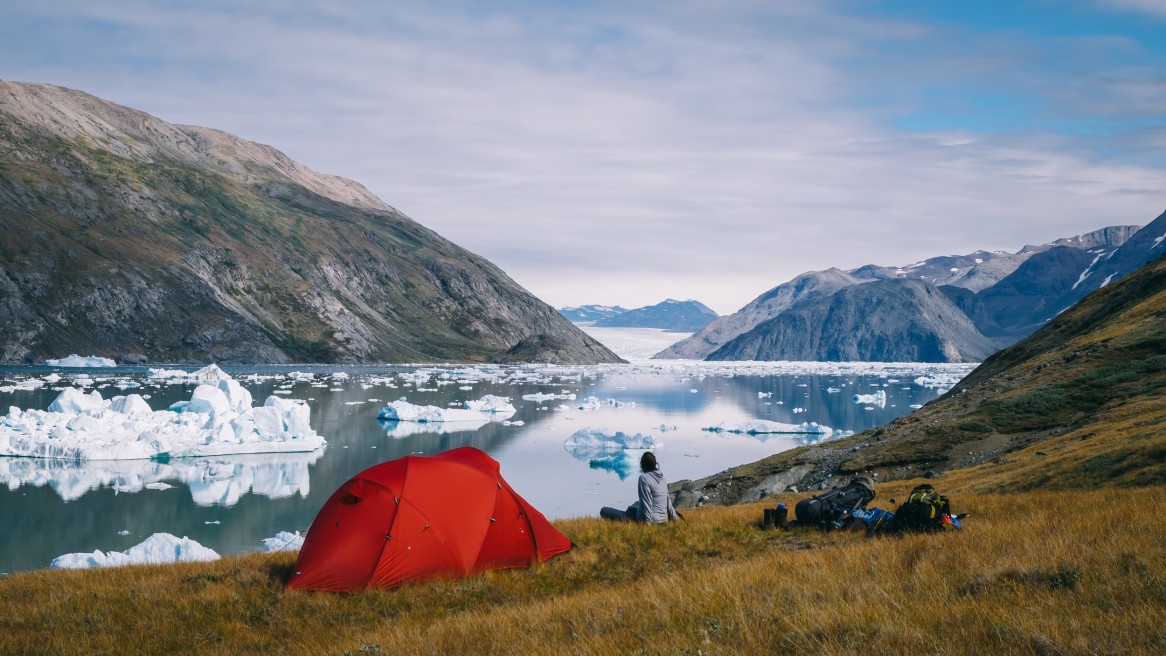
(230, 504)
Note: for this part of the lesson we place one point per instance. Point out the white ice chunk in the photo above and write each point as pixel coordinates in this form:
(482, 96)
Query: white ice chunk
(485, 409)
(209, 400)
(73, 401)
(158, 549)
(491, 404)
(284, 541)
(540, 397)
(132, 405)
(74, 360)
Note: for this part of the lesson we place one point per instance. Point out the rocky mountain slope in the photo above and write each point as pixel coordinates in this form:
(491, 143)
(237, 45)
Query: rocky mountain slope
(899, 320)
(804, 288)
(128, 237)
(1002, 296)
(1080, 403)
(673, 315)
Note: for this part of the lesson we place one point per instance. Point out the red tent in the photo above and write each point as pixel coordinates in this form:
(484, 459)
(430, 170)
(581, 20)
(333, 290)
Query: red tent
(422, 517)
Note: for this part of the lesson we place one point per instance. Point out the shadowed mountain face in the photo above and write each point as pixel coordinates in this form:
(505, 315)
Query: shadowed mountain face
(898, 320)
(1078, 404)
(132, 238)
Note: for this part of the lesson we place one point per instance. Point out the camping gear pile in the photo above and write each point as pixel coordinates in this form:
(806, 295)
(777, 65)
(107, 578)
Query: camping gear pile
(845, 507)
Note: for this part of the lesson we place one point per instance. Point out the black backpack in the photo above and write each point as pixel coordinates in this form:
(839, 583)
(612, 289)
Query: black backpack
(923, 510)
(827, 510)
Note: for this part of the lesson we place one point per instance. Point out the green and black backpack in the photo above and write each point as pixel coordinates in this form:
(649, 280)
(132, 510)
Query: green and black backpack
(923, 510)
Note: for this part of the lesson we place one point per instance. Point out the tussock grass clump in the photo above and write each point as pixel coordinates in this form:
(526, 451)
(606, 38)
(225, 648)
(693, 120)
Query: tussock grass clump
(1047, 572)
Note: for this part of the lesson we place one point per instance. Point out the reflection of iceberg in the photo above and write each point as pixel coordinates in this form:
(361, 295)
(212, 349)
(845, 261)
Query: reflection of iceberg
(621, 463)
(610, 452)
(400, 429)
(212, 481)
(879, 398)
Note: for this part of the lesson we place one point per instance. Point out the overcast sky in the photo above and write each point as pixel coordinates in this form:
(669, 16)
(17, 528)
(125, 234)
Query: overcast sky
(627, 152)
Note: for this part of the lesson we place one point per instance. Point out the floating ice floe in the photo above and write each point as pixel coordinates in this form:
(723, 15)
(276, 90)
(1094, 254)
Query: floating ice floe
(74, 360)
(541, 396)
(284, 541)
(26, 385)
(217, 420)
(208, 374)
(486, 409)
(764, 426)
(158, 549)
(492, 405)
(879, 398)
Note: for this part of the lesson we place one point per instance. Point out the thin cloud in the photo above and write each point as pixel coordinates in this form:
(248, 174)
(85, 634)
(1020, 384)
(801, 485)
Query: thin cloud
(624, 154)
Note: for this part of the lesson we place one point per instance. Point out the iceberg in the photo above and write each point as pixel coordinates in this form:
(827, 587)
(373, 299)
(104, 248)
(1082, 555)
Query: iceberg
(208, 374)
(492, 405)
(483, 410)
(158, 549)
(74, 360)
(218, 420)
(284, 541)
(540, 397)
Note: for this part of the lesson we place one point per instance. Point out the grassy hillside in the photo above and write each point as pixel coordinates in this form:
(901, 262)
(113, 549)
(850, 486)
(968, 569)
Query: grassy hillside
(1079, 404)
(1078, 572)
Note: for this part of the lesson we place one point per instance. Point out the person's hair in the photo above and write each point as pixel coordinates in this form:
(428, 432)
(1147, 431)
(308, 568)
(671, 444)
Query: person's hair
(648, 462)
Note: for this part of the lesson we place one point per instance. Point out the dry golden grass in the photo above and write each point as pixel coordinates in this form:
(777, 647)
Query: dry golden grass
(1077, 572)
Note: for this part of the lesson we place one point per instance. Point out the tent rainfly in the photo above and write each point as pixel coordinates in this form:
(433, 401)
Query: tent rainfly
(422, 517)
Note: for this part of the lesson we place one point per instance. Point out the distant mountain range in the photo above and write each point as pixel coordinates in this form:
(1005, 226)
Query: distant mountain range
(672, 315)
(128, 237)
(945, 309)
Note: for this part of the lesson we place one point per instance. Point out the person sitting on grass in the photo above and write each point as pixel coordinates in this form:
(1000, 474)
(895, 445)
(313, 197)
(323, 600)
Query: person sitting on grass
(654, 506)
